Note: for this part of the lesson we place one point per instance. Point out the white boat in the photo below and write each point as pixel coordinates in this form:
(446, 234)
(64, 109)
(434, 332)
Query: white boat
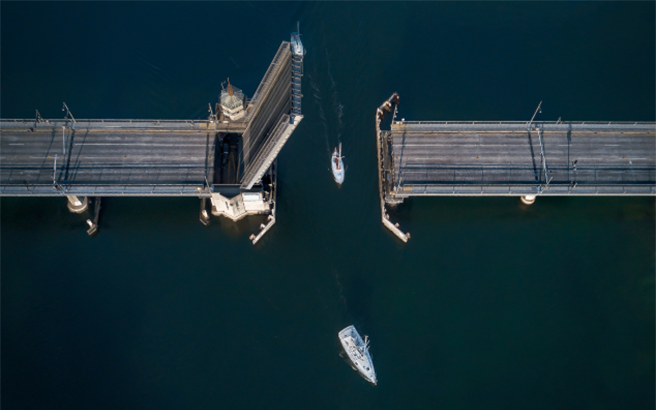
(337, 164)
(358, 353)
(297, 45)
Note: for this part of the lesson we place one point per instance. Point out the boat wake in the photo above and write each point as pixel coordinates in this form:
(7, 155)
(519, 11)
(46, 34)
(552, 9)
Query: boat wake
(316, 93)
(338, 107)
(335, 111)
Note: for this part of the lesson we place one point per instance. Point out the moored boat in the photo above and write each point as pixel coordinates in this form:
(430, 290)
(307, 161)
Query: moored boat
(297, 45)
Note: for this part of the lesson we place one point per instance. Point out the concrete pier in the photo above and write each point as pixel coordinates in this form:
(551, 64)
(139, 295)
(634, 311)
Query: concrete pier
(528, 199)
(77, 205)
(204, 215)
(271, 219)
(93, 224)
(384, 114)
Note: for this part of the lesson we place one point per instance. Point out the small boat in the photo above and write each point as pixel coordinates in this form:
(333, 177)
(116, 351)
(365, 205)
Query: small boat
(297, 45)
(337, 164)
(358, 353)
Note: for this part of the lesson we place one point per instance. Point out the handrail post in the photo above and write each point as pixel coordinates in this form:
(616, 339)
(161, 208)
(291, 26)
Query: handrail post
(528, 126)
(68, 113)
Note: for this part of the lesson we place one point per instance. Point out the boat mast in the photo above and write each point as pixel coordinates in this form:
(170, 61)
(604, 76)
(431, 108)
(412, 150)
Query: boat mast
(340, 150)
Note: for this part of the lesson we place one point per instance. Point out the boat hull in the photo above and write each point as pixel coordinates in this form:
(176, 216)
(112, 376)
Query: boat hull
(337, 165)
(358, 353)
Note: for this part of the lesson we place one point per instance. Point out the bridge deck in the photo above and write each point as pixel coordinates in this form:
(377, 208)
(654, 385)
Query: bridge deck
(272, 100)
(106, 158)
(457, 158)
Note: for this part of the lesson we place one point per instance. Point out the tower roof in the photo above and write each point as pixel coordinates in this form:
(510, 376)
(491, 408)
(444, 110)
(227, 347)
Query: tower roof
(232, 98)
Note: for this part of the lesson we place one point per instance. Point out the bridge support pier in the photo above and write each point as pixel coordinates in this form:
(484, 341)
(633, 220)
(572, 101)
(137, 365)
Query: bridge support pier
(204, 216)
(77, 206)
(93, 224)
(528, 199)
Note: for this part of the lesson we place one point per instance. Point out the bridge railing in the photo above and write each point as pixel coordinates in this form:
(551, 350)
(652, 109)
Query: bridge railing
(622, 123)
(102, 121)
(468, 175)
(267, 79)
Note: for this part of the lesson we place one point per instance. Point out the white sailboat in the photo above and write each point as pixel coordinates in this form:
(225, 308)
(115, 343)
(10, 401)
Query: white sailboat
(358, 353)
(297, 45)
(337, 165)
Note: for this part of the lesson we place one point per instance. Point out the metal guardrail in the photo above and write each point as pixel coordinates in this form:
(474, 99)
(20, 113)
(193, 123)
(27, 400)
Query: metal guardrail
(85, 189)
(558, 176)
(520, 126)
(623, 123)
(297, 73)
(266, 80)
(267, 153)
(118, 124)
(262, 122)
(102, 121)
(525, 189)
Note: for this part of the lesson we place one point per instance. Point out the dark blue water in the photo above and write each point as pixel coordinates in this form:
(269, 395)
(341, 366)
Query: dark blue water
(491, 305)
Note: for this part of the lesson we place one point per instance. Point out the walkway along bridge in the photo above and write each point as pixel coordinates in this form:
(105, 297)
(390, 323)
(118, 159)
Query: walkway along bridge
(510, 158)
(229, 161)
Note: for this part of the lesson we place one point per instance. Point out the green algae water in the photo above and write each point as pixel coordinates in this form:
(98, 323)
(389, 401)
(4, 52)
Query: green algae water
(490, 305)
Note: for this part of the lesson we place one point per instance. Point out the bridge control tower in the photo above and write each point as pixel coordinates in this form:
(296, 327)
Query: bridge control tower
(232, 102)
(271, 116)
